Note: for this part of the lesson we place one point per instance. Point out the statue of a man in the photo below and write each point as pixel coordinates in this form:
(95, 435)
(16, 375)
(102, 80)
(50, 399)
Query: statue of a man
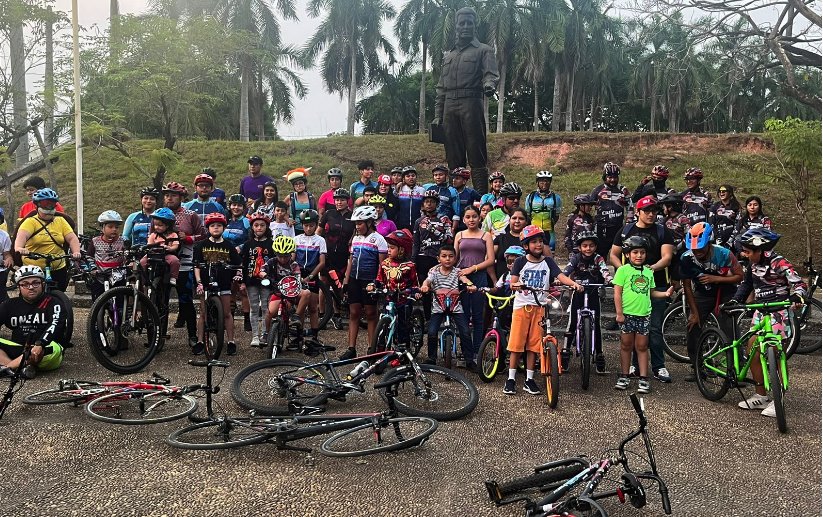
(469, 71)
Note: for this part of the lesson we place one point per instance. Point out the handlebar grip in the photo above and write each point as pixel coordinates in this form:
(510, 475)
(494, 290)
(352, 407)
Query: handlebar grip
(638, 406)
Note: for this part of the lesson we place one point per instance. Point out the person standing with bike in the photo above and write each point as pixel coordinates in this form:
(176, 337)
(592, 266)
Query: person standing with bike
(255, 253)
(138, 224)
(544, 205)
(397, 273)
(311, 254)
(710, 274)
(773, 279)
(47, 233)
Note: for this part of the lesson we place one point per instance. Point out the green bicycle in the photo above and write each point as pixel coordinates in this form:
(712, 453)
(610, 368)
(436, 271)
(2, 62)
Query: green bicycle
(721, 363)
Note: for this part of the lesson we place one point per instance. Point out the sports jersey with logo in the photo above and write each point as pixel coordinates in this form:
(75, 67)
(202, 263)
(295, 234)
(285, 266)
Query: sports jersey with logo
(365, 255)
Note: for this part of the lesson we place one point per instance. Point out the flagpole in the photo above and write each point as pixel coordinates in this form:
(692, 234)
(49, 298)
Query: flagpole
(78, 136)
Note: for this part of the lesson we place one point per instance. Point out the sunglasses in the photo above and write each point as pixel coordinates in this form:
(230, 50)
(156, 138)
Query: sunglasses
(650, 209)
(48, 205)
(513, 198)
(723, 190)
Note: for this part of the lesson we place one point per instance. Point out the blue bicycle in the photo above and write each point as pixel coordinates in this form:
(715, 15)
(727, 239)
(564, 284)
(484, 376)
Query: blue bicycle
(385, 334)
(447, 299)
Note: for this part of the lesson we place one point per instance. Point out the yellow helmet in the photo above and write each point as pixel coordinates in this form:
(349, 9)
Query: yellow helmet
(283, 245)
(377, 200)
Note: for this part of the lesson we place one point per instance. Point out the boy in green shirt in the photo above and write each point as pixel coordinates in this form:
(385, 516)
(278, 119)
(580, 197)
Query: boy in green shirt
(633, 289)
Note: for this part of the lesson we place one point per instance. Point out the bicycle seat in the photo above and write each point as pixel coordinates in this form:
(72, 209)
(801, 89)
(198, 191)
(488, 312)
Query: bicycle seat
(313, 348)
(214, 362)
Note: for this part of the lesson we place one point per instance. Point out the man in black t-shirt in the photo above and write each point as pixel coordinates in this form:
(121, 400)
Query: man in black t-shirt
(658, 257)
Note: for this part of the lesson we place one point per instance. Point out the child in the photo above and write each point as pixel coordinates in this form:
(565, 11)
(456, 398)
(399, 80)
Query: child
(162, 232)
(255, 253)
(237, 227)
(281, 225)
(536, 271)
(283, 265)
(633, 289)
(301, 199)
(485, 208)
(449, 199)
(216, 249)
(107, 248)
(579, 221)
(496, 181)
(430, 233)
(385, 225)
(503, 287)
(586, 267)
(311, 256)
(397, 273)
(445, 280)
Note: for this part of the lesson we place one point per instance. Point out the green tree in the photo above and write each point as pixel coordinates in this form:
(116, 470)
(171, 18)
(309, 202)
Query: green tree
(394, 107)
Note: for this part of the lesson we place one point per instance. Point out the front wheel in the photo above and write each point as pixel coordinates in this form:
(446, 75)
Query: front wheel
(586, 345)
(269, 386)
(776, 385)
(417, 330)
(385, 435)
(141, 407)
(713, 364)
(674, 331)
(274, 339)
(489, 357)
(223, 433)
(214, 327)
(550, 369)
(447, 347)
(437, 392)
(381, 335)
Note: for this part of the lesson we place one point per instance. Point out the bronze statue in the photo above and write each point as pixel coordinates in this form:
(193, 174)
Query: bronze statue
(469, 71)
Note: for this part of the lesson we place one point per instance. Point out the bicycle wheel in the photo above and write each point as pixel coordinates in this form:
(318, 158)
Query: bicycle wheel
(674, 332)
(446, 346)
(386, 435)
(791, 345)
(550, 368)
(222, 433)
(586, 343)
(808, 319)
(438, 393)
(537, 480)
(214, 324)
(139, 407)
(260, 386)
(78, 391)
(417, 330)
(381, 335)
(274, 339)
(65, 303)
(328, 304)
(489, 359)
(123, 330)
(713, 366)
(776, 384)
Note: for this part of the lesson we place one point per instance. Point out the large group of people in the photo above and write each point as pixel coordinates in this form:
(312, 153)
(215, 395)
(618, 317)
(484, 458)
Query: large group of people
(400, 231)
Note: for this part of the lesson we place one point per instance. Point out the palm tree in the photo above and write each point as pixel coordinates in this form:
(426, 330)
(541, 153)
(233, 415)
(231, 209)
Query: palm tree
(350, 39)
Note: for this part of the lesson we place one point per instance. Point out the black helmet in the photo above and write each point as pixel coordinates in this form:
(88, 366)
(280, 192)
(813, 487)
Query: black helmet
(238, 199)
(309, 216)
(511, 189)
(759, 239)
(150, 191)
(676, 200)
(583, 199)
(635, 242)
(341, 192)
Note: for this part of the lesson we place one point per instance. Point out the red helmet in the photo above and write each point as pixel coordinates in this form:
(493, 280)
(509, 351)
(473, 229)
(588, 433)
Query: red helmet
(203, 178)
(215, 217)
(694, 173)
(403, 239)
(173, 187)
(384, 179)
(660, 171)
(530, 232)
(461, 172)
(259, 216)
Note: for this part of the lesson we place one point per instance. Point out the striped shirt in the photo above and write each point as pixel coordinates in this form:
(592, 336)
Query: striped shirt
(365, 255)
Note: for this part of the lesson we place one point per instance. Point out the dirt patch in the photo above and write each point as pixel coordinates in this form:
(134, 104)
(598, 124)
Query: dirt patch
(538, 156)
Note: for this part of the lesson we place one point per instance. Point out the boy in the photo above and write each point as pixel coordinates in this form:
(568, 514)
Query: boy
(107, 248)
(366, 168)
(579, 221)
(449, 200)
(368, 192)
(536, 271)
(311, 256)
(281, 225)
(633, 290)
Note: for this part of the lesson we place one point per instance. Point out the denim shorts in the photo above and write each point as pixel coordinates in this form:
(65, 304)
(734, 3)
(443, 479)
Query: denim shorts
(635, 325)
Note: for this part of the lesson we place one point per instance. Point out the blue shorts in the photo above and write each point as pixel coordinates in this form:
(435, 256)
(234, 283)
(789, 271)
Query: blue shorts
(635, 325)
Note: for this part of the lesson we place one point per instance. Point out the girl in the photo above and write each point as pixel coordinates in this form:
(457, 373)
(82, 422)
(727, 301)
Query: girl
(752, 217)
(385, 225)
(300, 199)
(326, 201)
(385, 189)
(162, 232)
(397, 273)
(579, 221)
(485, 208)
(237, 227)
(475, 253)
(255, 253)
(496, 181)
(266, 203)
(723, 214)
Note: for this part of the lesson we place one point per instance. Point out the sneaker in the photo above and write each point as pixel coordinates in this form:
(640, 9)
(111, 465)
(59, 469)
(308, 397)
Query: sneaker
(632, 371)
(255, 342)
(198, 349)
(611, 325)
(531, 387)
(192, 341)
(172, 281)
(769, 411)
(643, 386)
(622, 383)
(350, 353)
(754, 402)
(565, 355)
(231, 348)
(510, 388)
(600, 364)
(662, 375)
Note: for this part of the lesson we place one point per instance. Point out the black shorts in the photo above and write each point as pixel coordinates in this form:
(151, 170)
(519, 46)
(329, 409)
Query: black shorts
(356, 291)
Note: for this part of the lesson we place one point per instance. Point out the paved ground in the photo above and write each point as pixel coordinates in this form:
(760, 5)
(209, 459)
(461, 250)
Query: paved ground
(63, 463)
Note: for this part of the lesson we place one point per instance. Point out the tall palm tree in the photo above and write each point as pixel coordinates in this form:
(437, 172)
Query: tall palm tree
(350, 40)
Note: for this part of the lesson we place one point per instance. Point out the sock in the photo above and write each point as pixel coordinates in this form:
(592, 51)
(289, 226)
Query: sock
(529, 374)
(512, 373)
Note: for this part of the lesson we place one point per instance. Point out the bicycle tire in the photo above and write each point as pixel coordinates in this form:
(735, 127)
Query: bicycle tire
(674, 332)
(539, 479)
(80, 390)
(448, 395)
(713, 385)
(273, 340)
(446, 346)
(775, 380)
(550, 369)
(328, 305)
(158, 296)
(130, 407)
(67, 308)
(381, 335)
(221, 433)
(809, 322)
(214, 327)
(586, 353)
(125, 358)
(795, 336)
(254, 386)
(364, 439)
(489, 359)
(417, 330)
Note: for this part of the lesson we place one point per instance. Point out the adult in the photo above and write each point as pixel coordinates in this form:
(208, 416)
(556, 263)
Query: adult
(300, 198)
(469, 71)
(337, 228)
(613, 208)
(467, 195)
(203, 204)
(137, 225)
(410, 199)
(654, 184)
(723, 214)
(32, 184)
(696, 199)
(326, 200)
(497, 220)
(217, 194)
(267, 201)
(751, 217)
(659, 255)
(543, 206)
(385, 189)
(518, 220)
(252, 185)
(47, 232)
(449, 204)
(366, 170)
(32, 315)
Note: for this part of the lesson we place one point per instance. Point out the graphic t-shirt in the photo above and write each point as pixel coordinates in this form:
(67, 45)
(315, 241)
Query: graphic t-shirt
(309, 249)
(255, 254)
(445, 285)
(281, 229)
(210, 252)
(538, 275)
(637, 286)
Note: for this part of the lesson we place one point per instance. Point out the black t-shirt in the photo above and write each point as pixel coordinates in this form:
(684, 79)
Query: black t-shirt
(209, 252)
(653, 254)
(503, 241)
(255, 254)
(337, 230)
(43, 321)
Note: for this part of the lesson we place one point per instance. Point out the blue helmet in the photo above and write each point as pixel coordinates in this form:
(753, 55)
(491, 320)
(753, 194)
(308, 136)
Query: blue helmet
(515, 250)
(699, 236)
(164, 214)
(759, 239)
(45, 194)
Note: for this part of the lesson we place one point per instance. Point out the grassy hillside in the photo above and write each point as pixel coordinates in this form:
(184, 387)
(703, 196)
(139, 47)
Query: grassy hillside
(576, 159)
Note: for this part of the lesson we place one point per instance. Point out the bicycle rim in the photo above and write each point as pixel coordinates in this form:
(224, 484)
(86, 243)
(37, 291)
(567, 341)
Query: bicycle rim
(776, 383)
(447, 346)
(386, 435)
(713, 366)
(809, 321)
(140, 407)
(489, 360)
(417, 330)
(222, 433)
(381, 335)
(586, 353)
(79, 391)
(551, 371)
(273, 343)
(674, 332)
(268, 386)
(214, 333)
(439, 393)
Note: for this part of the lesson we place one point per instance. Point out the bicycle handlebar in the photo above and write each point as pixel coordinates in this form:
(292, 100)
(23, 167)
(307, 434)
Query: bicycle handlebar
(741, 307)
(496, 302)
(48, 258)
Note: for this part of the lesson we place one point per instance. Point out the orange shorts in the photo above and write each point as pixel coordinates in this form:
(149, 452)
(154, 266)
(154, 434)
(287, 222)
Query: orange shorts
(526, 332)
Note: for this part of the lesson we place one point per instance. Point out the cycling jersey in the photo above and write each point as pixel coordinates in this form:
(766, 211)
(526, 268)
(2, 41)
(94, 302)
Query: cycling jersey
(544, 209)
(657, 189)
(136, 228)
(696, 203)
(357, 188)
(268, 210)
(431, 232)
(190, 228)
(589, 270)
(309, 249)
(496, 221)
(575, 224)
(219, 195)
(772, 278)
(743, 223)
(365, 255)
(337, 230)
(107, 254)
(719, 262)
(722, 218)
(410, 201)
(468, 196)
(43, 320)
(326, 201)
(613, 207)
(678, 224)
(490, 197)
(237, 231)
(449, 205)
(204, 208)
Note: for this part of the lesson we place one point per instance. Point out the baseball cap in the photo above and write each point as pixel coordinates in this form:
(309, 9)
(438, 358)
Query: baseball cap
(256, 160)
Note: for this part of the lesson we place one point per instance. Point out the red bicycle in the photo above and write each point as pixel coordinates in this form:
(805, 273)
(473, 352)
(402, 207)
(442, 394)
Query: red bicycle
(288, 288)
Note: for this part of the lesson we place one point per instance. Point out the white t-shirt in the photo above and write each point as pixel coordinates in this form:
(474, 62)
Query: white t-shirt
(538, 275)
(5, 246)
(309, 249)
(281, 229)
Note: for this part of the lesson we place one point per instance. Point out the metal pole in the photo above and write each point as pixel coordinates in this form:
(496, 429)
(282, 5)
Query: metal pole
(78, 136)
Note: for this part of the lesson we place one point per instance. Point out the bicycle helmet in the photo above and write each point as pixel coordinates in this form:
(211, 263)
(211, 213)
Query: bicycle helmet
(174, 187)
(759, 239)
(432, 194)
(583, 199)
(611, 169)
(409, 169)
(364, 213)
(109, 216)
(209, 171)
(384, 179)
(511, 189)
(259, 216)
(164, 214)
(515, 250)
(544, 175)
(203, 178)
(401, 238)
(334, 172)
(676, 200)
(699, 236)
(150, 191)
(461, 172)
(585, 235)
(298, 174)
(377, 199)
(309, 216)
(237, 199)
(28, 271)
(530, 232)
(635, 242)
(45, 194)
(440, 167)
(497, 175)
(396, 170)
(283, 245)
(694, 173)
(660, 172)
(341, 192)
(214, 217)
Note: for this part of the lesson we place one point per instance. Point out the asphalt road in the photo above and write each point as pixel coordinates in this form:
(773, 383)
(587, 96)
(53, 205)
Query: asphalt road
(716, 458)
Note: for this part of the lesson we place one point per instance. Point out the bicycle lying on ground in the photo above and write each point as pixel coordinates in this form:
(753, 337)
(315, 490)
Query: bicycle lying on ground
(562, 480)
(13, 379)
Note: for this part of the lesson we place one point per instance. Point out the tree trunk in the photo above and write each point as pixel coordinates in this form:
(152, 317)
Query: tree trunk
(535, 85)
(556, 100)
(48, 86)
(114, 27)
(244, 102)
(18, 88)
(352, 89)
(421, 116)
(45, 153)
(591, 114)
(570, 100)
(653, 117)
(501, 95)
(261, 107)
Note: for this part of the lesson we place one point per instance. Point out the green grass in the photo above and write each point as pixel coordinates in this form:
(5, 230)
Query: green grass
(111, 183)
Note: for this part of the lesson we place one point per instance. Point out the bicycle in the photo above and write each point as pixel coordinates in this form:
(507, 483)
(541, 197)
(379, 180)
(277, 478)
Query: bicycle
(722, 363)
(808, 318)
(15, 378)
(280, 329)
(356, 434)
(213, 318)
(385, 333)
(283, 386)
(79, 392)
(50, 288)
(584, 335)
(560, 478)
(335, 308)
(550, 355)
(447, 335)
(492, 348)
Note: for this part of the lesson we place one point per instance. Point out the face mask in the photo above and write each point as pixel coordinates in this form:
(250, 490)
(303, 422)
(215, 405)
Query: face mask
(43, 211)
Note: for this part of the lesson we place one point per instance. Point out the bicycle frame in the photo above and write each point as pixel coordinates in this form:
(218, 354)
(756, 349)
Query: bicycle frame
(448, 325)
(497, 304)
(17, 380)
(585, 312)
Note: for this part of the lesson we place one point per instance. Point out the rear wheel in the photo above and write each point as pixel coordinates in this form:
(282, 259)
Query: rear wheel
(808, 319)
(65, 303)
(776, 382)
(713, 366)
(674, 331)
(223, 433)
(268, 386)
(791, 345)
(550, 369)
(586, 353)
(76, 392)
(447, 344)
(385, 435)
(141, 407)
(214, 325)
(488, 358)
(438, 393)
(417, 329)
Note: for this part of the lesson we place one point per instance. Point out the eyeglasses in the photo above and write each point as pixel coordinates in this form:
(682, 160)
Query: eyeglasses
(30, 285)
(513, 198)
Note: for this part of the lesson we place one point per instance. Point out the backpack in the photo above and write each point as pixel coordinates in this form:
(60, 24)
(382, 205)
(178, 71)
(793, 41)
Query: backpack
(629, 227)
(552, 211)
(293, 199)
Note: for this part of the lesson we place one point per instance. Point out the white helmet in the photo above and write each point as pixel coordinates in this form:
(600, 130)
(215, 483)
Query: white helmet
(544, 175)
(364, 213)
(109, 216)
(28, 271)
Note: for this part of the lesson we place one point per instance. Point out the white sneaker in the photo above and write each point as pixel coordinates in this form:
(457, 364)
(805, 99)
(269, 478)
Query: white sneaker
(754, 402)
(769, 411)
(255, 342)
